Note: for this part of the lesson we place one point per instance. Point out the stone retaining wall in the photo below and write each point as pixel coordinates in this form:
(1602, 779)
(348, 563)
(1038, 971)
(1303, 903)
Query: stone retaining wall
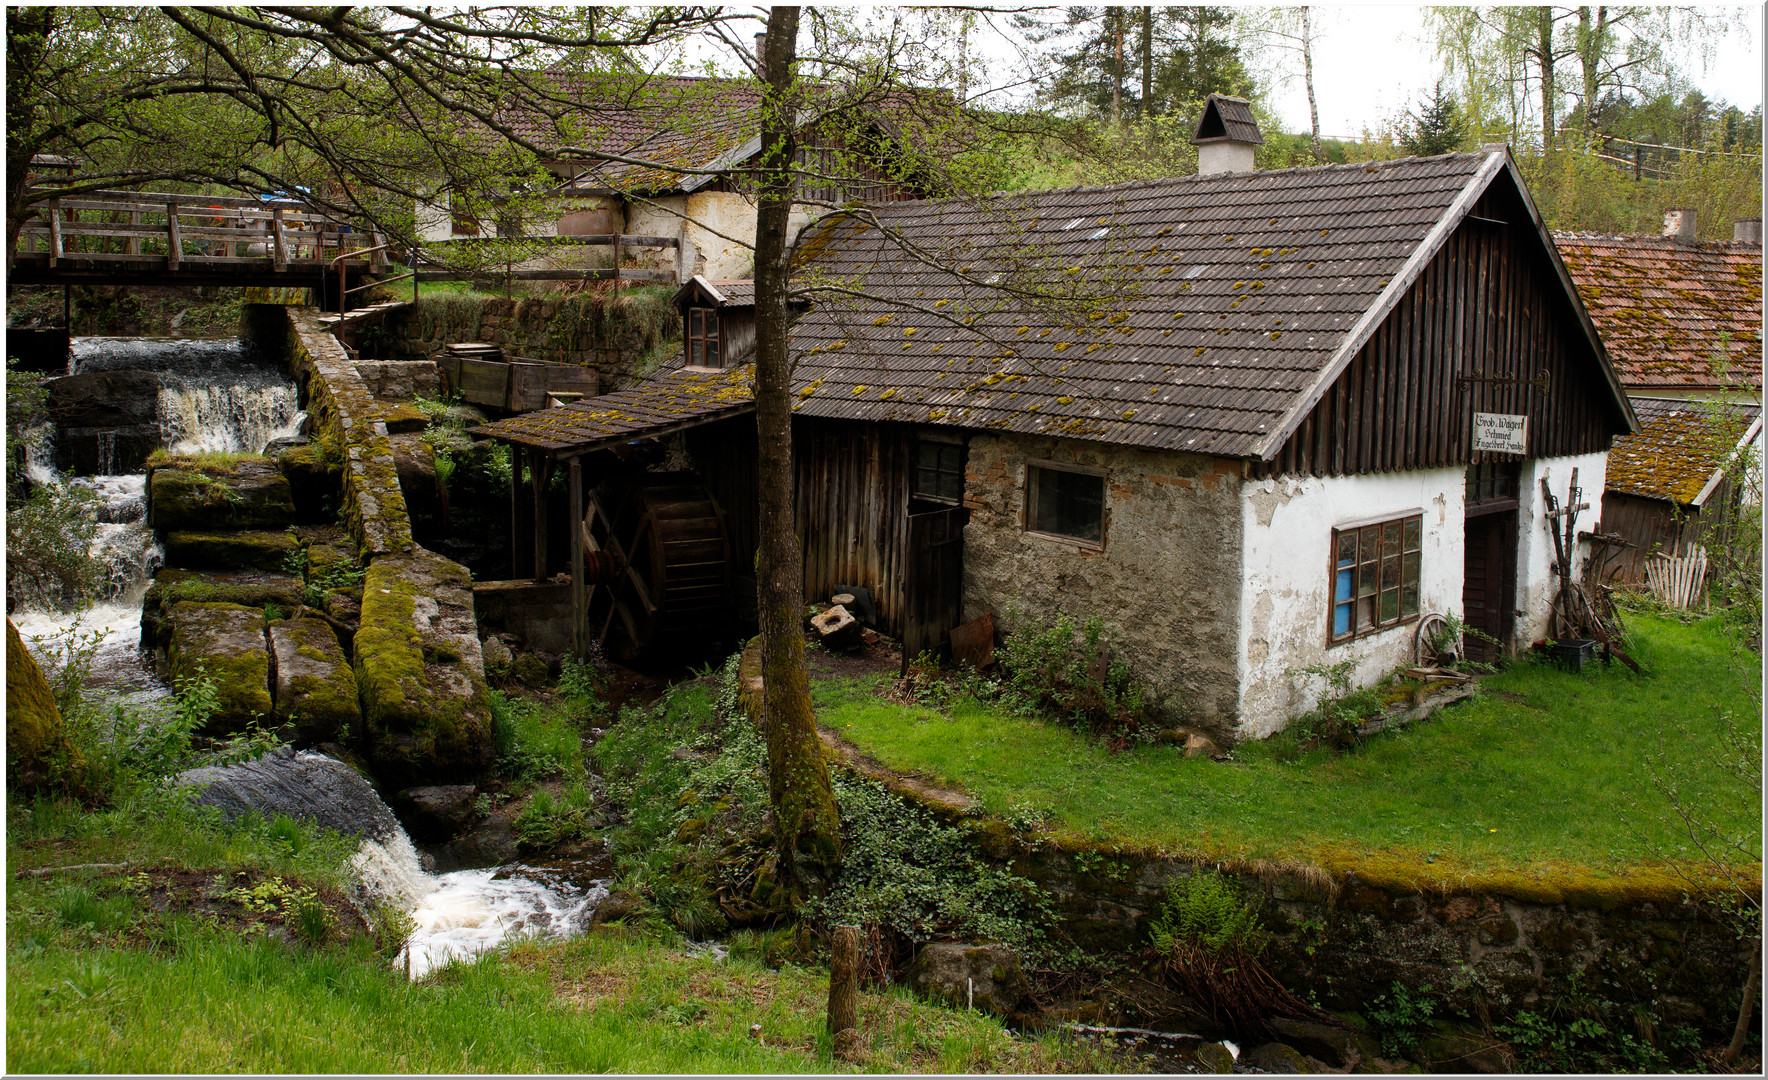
(552, 329)
(1497, 942)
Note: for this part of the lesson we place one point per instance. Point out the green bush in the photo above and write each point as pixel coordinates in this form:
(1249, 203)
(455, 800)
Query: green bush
(1206, 911)
(546, 821)
(1073, 672)
(535, 741)
(1398, 1017)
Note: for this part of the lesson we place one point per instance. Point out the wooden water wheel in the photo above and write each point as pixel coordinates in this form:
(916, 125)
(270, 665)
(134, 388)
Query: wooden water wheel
(658, 560)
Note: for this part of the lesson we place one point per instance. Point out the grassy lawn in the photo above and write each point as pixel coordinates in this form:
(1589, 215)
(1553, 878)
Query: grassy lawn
(206, 1000)
(1545, 771)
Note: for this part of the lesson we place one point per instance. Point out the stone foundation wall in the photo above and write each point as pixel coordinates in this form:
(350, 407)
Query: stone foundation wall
(553, 329)
(539, 614)
(1168, 573)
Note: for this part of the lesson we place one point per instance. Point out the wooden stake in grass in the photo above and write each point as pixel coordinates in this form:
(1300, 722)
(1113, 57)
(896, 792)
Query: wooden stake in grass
(844, 991)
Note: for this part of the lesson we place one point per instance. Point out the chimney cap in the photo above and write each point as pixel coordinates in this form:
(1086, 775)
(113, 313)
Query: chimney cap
(1747, 230)
(1227, 119)
(1680, 225)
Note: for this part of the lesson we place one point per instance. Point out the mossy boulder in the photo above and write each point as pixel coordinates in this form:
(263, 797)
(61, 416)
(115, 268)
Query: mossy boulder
(231, 550)
(224, 643)
(315, 473)
(426, 708)
(315, 689)
(210, 493)
(247, 588)
(37, 750)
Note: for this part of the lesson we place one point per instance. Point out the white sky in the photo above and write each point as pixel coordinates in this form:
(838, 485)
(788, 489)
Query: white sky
(1373, 60)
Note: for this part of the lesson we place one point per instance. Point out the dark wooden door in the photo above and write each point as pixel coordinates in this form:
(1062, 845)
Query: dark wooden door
(1488, 589)
(934, 588)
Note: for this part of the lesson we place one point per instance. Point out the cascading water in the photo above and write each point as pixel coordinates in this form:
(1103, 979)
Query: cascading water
(457, 915)
(215, 396)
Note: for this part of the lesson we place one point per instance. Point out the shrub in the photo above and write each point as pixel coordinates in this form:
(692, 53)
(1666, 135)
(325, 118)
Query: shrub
(1398, 1017)
(534, 741)
(1208, 942)
(1074, 673)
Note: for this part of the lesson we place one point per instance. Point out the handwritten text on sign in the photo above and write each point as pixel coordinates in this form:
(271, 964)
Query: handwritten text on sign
(1505, 433)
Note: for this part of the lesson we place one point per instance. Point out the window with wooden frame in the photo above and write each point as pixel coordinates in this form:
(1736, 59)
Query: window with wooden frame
(1375, 575)
(1493, 483)
(1066, 502)
(702, 337)
(939, 471)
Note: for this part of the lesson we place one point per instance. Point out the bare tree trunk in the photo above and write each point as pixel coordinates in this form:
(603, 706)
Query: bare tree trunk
(1307, 64)
(1745, 1010)
(1117, 73)
(1147, 109)
(805, 820)
(1544, 59)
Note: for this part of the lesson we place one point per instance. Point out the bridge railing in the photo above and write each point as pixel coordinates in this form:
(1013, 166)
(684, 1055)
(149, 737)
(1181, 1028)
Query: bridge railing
(134, 227)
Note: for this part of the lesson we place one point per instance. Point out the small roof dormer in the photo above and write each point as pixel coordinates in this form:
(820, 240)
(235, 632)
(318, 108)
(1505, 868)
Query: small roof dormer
(1227, 135)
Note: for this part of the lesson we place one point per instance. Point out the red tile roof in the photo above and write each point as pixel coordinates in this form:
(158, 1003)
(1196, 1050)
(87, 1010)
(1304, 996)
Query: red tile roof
(1673, 316)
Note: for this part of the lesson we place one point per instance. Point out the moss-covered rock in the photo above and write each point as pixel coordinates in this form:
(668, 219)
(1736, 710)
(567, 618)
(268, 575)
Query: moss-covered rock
(315, 688)
(426, 708)
(37, 751)
(208, 493)
(401, 417)
(247, 588)
(231, 550)
(225, 643)
(315, 473)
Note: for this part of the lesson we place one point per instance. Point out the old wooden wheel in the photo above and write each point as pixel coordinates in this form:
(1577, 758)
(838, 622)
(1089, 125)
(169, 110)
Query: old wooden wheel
(658, 562)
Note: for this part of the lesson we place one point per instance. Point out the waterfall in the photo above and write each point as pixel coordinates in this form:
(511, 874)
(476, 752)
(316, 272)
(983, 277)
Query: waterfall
(230, 418)
(457, 915)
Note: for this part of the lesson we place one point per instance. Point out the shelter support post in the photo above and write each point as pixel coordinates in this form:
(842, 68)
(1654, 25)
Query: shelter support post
(538, 475)
(521, 544)
(579, 599)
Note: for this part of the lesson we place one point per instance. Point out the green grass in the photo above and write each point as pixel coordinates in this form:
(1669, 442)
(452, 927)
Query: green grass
(1544, 771)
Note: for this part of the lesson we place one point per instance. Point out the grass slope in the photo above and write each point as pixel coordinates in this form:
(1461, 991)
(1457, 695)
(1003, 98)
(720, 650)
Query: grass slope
(1545, 770)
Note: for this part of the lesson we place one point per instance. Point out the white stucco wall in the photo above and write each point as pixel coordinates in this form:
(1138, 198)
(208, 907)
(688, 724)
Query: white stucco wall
(1535, 580)
(1285, 598)
(433, 221)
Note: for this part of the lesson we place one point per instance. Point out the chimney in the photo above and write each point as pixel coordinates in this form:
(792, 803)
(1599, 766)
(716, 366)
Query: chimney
(1748, 230)
(1679, 225)
(761, 48)
(1227, 136)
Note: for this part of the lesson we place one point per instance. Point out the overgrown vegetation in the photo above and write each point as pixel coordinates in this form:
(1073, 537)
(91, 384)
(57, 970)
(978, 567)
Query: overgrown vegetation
(690, 777)
(1073, 672)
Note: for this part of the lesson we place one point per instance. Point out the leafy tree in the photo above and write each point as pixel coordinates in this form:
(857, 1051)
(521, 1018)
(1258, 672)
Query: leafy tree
(1180, 54)
(1436, 125)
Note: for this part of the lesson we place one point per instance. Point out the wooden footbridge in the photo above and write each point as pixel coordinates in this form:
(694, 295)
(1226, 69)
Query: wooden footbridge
(156, 238)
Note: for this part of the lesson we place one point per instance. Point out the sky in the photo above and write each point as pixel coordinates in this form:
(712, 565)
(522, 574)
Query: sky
(1373, 61)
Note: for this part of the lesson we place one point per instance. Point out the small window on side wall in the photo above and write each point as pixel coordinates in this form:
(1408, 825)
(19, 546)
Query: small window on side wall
(939, 471)
(702, 337)
(1375, 572)
(1061, 502)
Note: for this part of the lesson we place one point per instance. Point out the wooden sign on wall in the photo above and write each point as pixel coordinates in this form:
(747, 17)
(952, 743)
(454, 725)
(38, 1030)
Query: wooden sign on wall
(1504, 433)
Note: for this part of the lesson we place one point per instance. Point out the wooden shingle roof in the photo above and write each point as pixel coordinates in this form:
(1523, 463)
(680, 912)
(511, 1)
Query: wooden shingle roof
(1674, 316)
(1227, 118)
(1679, 447)
(1227, 302)
(662, 404)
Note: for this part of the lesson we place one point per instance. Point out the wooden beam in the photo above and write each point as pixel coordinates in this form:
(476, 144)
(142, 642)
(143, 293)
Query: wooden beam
(174, 240)
(54, 231)
(134, 247)
(579, 598)
(521, 544)
(279, 245)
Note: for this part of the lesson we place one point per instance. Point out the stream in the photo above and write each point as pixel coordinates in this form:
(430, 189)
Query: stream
(219, 396)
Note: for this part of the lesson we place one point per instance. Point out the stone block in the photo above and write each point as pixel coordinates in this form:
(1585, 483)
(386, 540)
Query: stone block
(247, 588)
(186, 495)
(271, 551)
(224, 643)
(985, 977)
(836, 629)
(419, 669)
(437, 813)
(104, 399)
(315, 480)
(315, 688)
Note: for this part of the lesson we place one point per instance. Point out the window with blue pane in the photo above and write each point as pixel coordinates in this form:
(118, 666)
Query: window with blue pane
(1375, 575)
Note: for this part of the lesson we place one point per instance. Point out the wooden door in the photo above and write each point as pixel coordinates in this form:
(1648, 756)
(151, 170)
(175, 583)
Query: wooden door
(933, 592)
(1488, 587)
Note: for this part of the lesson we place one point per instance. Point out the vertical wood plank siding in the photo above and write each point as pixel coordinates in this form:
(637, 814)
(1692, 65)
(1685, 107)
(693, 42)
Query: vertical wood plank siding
(1488, 303)
(853, 484)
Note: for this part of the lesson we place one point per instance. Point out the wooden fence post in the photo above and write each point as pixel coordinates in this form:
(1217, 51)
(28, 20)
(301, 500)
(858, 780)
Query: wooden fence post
(844, 991)
(279, 250)
(54, 230)
(174, 241)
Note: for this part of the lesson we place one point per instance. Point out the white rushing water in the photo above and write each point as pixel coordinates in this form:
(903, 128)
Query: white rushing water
(469, 912)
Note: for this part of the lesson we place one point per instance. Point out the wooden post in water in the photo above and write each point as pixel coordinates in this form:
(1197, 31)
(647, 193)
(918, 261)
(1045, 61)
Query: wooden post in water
(844, 991)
